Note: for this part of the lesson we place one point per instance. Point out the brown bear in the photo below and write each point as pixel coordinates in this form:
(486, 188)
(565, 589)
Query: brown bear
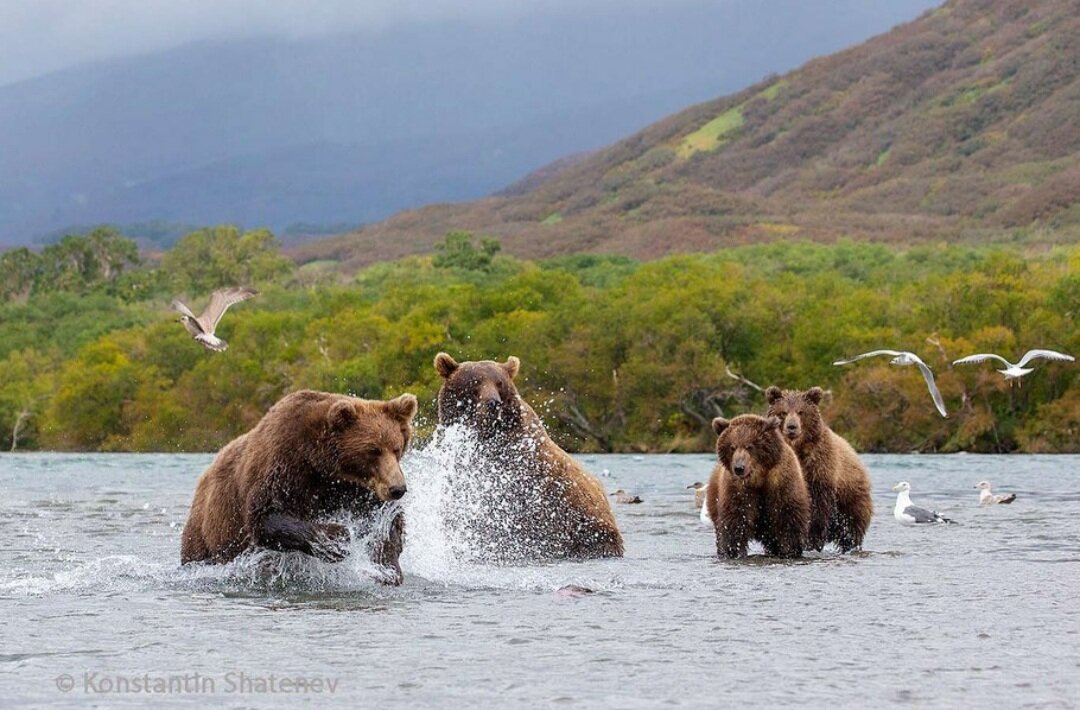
(533, 501)
(312, 456)
(757, 491)
(839, 483)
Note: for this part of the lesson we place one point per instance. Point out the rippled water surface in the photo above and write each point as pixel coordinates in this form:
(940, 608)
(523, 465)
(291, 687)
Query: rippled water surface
(984, 614)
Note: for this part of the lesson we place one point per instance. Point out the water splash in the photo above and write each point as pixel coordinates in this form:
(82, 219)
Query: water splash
(463, 516)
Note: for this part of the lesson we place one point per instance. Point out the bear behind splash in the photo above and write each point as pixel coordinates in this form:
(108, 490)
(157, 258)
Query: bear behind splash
(523, 497)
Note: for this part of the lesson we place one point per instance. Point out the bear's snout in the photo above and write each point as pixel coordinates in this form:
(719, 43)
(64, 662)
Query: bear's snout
(791, 427)
(397, 492)
(740, 464)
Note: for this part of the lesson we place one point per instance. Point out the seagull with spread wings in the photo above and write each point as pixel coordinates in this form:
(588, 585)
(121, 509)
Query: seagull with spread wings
(902, 357)
(202, 327)
(1016, 371)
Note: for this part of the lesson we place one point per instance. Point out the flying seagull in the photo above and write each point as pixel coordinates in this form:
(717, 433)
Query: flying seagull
(909, 514)
(202, 327)
(987, 497)
(1015, 372)
(902, 357)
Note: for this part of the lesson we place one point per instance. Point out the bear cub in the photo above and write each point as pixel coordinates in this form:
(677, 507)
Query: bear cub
(314, 455)
(839, 483)
(756, 491)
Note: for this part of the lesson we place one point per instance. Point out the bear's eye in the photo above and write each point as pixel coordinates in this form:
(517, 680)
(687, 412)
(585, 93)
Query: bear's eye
(749, 447)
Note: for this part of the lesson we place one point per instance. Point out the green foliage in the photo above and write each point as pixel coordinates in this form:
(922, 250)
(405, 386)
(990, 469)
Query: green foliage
(617, 354)
(75, 264)
(459, 251)
(222, 256)
(25, 384)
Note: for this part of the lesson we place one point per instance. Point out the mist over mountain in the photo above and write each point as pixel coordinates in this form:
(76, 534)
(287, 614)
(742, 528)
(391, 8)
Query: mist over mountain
(960, 126)
(352, 127)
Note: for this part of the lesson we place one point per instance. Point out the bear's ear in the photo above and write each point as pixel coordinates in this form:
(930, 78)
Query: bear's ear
(719, 424)
(773, 422)
(445, 365)
(773, 394)
(814, 395)
(512, 365)
(342, 415)
(402, 408)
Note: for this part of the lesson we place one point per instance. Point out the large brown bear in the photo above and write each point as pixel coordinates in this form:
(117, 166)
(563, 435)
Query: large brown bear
(536, 502)
(839, 483)
(313, 455)
(757, 491)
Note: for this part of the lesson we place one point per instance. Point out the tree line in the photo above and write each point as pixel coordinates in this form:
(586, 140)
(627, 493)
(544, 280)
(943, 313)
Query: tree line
(618, 355)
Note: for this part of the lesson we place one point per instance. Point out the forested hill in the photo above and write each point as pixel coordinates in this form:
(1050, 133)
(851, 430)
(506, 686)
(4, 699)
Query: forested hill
(962, 125)
(616, 354)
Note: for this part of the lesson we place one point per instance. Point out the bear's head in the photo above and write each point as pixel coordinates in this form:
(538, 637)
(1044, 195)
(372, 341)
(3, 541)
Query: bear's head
(798, 411)
(749, 446)
(480, 395)
(367, 439)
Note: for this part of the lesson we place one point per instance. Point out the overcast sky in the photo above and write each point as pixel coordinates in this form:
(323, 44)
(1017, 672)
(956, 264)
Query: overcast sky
(42, 36)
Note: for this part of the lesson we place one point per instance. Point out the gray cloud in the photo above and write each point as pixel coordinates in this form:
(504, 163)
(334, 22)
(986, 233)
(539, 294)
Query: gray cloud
(41, 36)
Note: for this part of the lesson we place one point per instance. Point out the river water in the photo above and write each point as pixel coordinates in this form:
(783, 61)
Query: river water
(95, 609)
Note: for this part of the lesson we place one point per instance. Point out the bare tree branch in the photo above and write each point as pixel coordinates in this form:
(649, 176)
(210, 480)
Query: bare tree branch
(20, 419)
(740, 378)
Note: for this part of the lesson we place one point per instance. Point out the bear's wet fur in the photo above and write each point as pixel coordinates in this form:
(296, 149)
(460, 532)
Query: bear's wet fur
(554, 508)
(756, 491)
(312, 456)
(838, 481)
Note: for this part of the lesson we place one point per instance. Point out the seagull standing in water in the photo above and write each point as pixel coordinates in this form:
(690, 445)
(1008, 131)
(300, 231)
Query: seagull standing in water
(902, 357)
(700, 503)
(202, 327)
(909, 514)
(987, 497)
(1016, 371)
(699, 493)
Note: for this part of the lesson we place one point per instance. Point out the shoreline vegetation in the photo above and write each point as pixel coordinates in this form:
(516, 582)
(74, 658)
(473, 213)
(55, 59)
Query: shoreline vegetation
(617, 355)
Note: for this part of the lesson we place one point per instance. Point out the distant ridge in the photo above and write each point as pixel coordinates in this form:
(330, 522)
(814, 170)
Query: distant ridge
(963, 125)
(352, 126)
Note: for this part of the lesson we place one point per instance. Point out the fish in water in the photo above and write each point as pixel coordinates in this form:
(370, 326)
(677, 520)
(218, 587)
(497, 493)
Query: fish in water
(908, 514)
(622, 496)
(987, 497)
(202, 327)
(572, 591)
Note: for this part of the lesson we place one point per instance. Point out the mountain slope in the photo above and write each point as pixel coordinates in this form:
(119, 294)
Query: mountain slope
(963, 125)
(354, 127)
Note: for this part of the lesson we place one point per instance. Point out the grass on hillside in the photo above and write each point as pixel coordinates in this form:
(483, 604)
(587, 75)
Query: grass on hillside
(713, 134)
